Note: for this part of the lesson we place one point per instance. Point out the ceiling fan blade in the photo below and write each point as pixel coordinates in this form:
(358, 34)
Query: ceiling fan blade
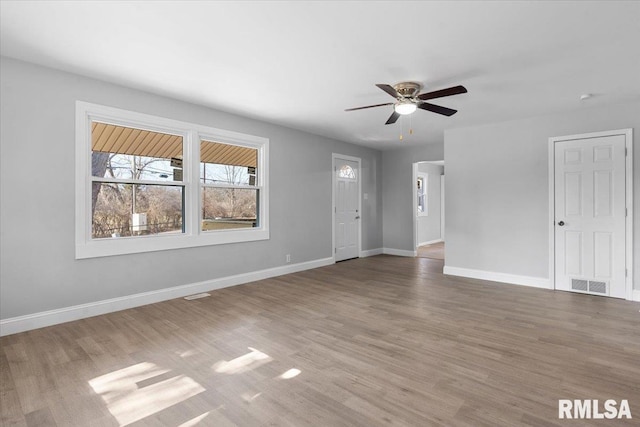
(437, 109)
(368, 106)
(389, 89)
(455, 90)
(393, 118)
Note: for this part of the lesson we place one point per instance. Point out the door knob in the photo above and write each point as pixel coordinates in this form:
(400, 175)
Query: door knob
(561, 223)
(358, 217)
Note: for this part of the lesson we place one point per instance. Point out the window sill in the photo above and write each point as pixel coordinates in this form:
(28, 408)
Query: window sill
(131, 245)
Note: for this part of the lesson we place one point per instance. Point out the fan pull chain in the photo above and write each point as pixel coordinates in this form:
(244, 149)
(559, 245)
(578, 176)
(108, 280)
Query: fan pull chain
(401, 127)
(410, 126)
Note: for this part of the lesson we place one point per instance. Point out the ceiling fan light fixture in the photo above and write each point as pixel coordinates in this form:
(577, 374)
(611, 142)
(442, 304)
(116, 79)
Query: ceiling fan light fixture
(407, 100)
(405, 108)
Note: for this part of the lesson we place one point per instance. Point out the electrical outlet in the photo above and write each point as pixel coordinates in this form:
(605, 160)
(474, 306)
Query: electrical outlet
(288, 258)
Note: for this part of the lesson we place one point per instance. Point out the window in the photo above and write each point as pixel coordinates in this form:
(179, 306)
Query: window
(421, 187)
(347, 172)
(135, 190)
(230, 193)
(146, 183)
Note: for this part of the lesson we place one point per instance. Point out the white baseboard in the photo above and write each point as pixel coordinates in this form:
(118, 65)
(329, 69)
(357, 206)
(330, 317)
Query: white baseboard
(370, 252)
(635, 295)
(536, 282)
(430, 242)
(398, 252)
(28, 322)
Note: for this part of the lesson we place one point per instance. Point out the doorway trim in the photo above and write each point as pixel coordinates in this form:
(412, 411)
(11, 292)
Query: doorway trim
(414, 209)
(442, 195)
(358, 160)
(628, 133)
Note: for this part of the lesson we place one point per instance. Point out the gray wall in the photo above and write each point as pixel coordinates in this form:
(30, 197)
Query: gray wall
(397, 192)
(497, 191)
(429, 225)
(38, 270)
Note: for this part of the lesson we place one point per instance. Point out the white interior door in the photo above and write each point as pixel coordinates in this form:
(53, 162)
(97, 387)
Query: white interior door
(590, 215)
(347, 215)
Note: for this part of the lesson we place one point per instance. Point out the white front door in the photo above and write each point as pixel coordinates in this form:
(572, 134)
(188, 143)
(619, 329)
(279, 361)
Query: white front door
(347, 215)
(590, 215)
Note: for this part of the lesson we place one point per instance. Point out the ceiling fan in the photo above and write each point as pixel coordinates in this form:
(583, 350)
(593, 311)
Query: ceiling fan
(408, 99)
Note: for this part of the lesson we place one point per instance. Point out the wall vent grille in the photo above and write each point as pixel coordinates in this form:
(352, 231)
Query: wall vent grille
(197, 296)
(599, 287)
(579, 285)
(589, 286)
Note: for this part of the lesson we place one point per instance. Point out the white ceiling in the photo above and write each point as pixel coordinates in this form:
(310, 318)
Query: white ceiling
(300, 64)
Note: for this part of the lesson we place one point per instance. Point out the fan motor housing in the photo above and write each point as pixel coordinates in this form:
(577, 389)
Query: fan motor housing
(408, 89)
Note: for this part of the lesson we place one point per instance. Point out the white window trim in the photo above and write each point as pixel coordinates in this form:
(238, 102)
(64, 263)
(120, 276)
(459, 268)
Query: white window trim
(86, 247)
(425, 192)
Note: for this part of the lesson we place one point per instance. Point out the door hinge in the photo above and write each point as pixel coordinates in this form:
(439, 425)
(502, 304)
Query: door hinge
(625, 152)
(335, 250)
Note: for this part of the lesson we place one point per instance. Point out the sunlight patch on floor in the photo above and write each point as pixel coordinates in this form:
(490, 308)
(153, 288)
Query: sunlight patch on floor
(187, 353)
(126, 377)
(293, 372)
(194, 421)
(129, 403)
(243, 363)
(248, 397)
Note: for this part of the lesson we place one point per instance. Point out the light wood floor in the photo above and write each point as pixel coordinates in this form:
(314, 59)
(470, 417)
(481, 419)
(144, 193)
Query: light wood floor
(434, 250)
(371, 342)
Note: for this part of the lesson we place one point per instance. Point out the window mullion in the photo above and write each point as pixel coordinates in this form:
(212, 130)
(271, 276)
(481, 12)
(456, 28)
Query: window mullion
(137, 182)
(194, 203)
(230, 186)
(86, 170)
